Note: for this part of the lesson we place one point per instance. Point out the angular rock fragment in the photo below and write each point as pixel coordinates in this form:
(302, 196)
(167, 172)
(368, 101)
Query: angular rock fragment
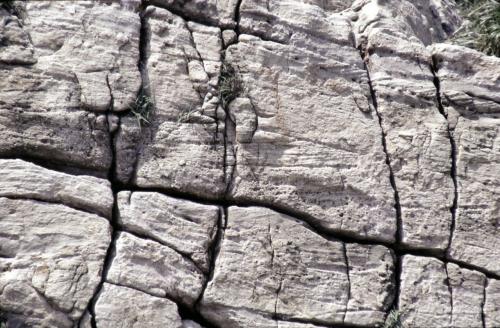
(272, 267)
(470, 88)
(187, 227)
(51, 258)
(416, 133)
(182, 147)
(425, 298)
(130, 308)
(155, 269)
(20, 179)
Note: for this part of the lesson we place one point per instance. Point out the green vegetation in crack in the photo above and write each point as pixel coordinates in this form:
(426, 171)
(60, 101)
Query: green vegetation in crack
(393, 320)
(481, 28)
(230, 86)
(142, 108)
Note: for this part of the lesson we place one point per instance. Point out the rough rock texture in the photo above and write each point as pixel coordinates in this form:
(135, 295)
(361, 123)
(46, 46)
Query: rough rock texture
(187, 227)
(279, 269)
(155, 269)
(142, 310)
(226, 163)
(306, 138)
(182, 148)
(469, 85)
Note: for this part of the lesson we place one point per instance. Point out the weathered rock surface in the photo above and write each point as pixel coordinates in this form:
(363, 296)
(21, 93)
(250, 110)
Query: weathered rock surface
(20, 179)
(182, 148)
(64, 66)
(416, 134)
(306, 139)
(205, 163)
(271, 267)
(142, 310)
(470, 88)
(155, 269)
(187, 227)
(51, 258)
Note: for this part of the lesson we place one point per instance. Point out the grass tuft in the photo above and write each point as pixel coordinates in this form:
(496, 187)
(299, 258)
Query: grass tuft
(230, 85)
(143, 108)
(481, 29)
(393, 320)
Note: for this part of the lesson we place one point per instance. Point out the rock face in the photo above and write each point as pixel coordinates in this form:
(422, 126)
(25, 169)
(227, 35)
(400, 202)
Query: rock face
(246, 164)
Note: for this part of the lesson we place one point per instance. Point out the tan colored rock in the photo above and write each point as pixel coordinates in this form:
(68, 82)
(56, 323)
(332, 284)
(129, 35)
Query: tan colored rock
(130, 308)
(182, 149)
(51, 259)
(416, 133)
(271, 267)
(20, 179)
(187, 227)
(155, 269)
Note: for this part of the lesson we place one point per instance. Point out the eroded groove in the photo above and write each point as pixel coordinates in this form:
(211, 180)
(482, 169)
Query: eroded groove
(453, 155)
(483, 302)
(450, 290)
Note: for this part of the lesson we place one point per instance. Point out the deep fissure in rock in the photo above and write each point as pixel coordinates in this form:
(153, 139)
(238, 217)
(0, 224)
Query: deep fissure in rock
(453, 156)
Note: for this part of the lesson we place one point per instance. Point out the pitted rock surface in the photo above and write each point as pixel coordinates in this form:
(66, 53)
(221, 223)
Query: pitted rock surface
(246, 164)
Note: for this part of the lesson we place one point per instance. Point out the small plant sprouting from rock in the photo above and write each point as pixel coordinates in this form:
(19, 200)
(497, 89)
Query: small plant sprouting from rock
(142, 108)
(185, 116)
(481, 29)
(393, 320)
(230, 85)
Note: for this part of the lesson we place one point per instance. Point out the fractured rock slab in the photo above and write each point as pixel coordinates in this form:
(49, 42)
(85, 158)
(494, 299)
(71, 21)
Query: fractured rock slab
(416, 133)
(473, 109)
(155, 269)
(305, 138)
(131, 308)
(20, 179)
(71, 61)
(187, 227)
(424, 299)
(182, 148)
(51, 258)
(271, 267)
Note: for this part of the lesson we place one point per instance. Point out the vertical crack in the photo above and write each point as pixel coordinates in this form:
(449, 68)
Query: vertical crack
(483, 302)
(237, 17)
(450, 290)
(399, 224)
(344, 248)
(453, 156)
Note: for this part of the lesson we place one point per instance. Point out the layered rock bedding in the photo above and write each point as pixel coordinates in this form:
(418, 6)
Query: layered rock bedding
(246, 163)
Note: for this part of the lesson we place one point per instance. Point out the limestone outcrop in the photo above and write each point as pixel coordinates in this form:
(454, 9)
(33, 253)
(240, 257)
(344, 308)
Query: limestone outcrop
(243, 164)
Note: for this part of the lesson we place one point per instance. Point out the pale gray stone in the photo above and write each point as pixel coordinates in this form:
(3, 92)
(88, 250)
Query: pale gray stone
(467, 291)
(470, 88)
(187, 227)
(182, 149)
(424, 299)
(492, 304)
(51, 259)
(221, 13)
(20, 179)
(416, 133)
(155, 269)
(304, 138)
(273, 266)
(190, 324)
(124, 307)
